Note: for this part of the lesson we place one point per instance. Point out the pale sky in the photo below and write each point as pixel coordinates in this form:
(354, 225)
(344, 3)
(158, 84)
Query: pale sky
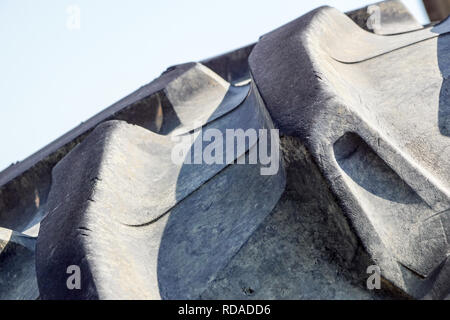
(53, 76)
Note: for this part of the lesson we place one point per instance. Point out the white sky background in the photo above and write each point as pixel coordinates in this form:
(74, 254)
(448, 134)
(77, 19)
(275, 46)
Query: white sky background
(53, 78)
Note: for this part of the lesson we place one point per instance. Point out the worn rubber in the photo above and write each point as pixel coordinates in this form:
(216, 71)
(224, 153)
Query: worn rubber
(364, 118)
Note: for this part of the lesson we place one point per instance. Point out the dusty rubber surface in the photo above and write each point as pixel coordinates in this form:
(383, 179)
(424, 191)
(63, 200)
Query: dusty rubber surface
(363, 178)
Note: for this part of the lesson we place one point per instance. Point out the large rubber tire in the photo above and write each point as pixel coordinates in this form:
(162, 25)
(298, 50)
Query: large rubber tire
(362, 180)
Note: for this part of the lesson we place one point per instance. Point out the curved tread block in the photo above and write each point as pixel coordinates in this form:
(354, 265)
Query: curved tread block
(370, 109)
(140, 226)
